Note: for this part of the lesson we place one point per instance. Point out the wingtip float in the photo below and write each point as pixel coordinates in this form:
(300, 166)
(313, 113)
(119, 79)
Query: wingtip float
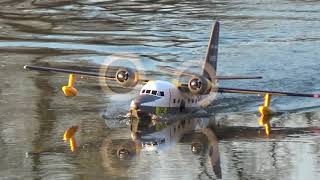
(266, 114)
(69, 135)
(70, 90)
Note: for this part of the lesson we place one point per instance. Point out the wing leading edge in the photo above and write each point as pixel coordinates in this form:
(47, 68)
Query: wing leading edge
(69, 71)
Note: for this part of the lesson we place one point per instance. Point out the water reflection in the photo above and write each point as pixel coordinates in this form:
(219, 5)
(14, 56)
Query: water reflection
(159, 136)
(69, 137)
(200, 135)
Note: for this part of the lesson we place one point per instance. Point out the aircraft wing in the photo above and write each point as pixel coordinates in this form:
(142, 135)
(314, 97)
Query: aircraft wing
(86, 71)
(119, 80)
(263, 92)
(68, 71)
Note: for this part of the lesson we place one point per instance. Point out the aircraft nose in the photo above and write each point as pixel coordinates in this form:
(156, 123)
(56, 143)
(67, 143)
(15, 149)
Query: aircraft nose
(134, 105)
(141, 99)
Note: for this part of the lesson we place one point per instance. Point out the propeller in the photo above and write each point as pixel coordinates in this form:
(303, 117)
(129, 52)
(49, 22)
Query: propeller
(190, 80)
(125, 69)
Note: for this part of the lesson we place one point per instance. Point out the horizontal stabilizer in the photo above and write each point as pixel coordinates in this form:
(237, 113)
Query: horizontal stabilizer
(262, 92)
(237, 77)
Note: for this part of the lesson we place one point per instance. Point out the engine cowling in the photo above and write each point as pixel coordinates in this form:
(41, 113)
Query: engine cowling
(199, 85)
(126, 77)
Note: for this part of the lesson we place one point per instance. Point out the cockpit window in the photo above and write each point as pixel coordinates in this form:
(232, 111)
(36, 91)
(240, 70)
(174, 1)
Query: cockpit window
(154, 92)
(161, 93)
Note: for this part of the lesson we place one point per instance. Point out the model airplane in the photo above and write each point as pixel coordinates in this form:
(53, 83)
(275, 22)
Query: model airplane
(166, 100)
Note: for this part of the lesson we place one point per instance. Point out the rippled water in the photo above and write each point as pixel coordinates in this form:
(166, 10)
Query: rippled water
(279, 40)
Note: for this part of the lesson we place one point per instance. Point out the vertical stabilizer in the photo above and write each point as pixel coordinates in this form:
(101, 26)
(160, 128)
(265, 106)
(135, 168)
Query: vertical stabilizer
(210, 66)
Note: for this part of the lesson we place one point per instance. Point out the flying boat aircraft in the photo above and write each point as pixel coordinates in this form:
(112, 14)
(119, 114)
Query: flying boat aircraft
(165, 100)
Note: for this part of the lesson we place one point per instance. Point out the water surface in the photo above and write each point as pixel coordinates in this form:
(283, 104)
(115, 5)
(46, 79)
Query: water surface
(279, 40)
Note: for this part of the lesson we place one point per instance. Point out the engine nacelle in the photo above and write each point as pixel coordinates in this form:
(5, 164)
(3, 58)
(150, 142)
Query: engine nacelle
(127, 77)
(199, 85)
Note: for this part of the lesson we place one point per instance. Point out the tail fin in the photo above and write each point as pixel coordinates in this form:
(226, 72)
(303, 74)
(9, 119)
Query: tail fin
(212, 54)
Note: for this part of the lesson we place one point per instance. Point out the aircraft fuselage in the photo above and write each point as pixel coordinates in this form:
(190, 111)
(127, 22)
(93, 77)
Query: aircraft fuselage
(163, 99)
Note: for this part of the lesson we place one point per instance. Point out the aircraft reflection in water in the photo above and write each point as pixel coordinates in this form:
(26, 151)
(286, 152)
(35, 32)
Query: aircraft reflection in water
(202, 134)
(159, 136)
(118, 150)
